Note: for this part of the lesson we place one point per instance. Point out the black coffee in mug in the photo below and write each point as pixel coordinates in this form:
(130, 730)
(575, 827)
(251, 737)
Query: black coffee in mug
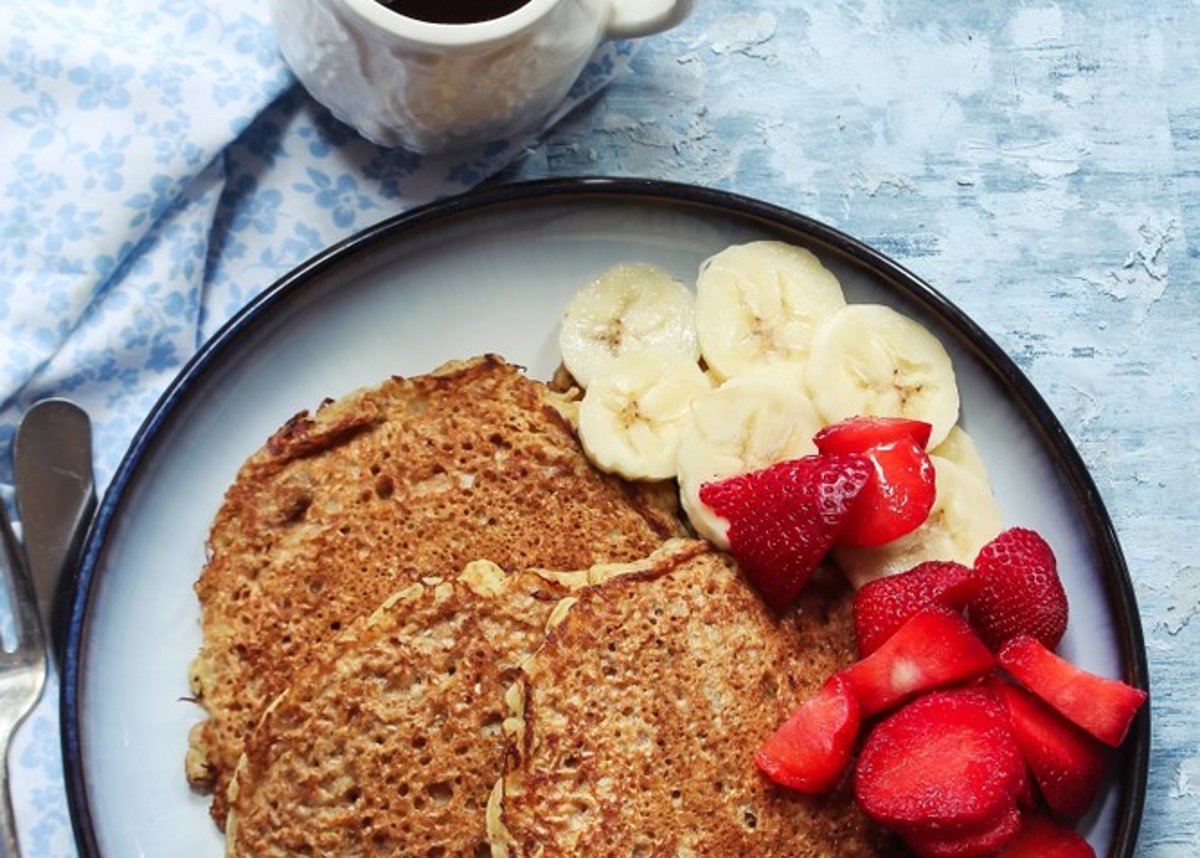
(453, 11)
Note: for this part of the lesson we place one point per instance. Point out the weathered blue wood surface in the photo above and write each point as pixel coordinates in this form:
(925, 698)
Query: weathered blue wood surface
(1039, 164)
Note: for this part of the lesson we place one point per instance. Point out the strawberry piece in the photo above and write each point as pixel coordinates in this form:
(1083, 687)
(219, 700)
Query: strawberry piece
(1019, 590)
(1066, 762)
(1028, 799)
(970, 844)
(811, 751)
(945, 764)
(883, 605)
(1101, 706)
(784, 519)
(934, 649)
(859, 434)
(1040, 837)
(898, 497)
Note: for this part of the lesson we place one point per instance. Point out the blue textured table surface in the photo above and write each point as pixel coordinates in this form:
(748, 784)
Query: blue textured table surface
(1037, 163)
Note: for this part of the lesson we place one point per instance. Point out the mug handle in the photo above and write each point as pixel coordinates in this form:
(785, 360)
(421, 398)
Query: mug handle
(629, 18)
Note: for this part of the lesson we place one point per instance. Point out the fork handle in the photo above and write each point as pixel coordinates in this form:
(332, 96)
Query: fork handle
(10, 847)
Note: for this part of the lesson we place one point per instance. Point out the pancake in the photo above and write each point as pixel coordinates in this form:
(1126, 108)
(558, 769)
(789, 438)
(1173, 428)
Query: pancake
(346, 506)
(634, 726)
(390, 744)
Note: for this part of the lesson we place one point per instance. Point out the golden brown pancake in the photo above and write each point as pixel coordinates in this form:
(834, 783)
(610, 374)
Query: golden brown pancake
(635, 724)
(344, 507)
(390, 743)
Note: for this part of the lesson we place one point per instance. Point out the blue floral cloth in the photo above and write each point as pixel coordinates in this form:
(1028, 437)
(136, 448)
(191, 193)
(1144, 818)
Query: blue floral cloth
(160, 169)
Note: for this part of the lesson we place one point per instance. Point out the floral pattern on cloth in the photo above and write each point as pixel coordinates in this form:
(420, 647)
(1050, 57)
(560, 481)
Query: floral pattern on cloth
(161, 169)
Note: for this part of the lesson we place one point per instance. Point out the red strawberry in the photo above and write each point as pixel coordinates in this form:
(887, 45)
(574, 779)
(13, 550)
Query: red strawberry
(1101, 706)
(946, 763)
(883, 605)
(1066, 762)
(901, 492)
(972, 844)
(934, 649)
(785, 518)
(1042, 838)
(811, 751)
(858, 434)
(1019, 590)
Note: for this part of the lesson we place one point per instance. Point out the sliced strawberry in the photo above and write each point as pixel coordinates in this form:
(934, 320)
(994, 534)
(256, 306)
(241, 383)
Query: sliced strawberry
(1027, 799)
(1066, 762)
(1101, 706)
(1043, 838)
(883, 605)
(934, 649)
(1019, 590)
(859, 434)
(969, 844)
(898, 498)
(946, 763)
(784, 519)
(811, 751)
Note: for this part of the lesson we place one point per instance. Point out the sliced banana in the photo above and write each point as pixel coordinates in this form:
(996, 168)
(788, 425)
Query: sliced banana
(759, 303)
(627, 308)
(965, 516)
(789, 376)
(868, 359)
(631, 416)
(744, 425)
(960, 449)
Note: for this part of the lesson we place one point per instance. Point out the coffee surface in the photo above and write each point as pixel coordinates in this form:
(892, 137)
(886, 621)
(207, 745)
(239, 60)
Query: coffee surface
(453, 11)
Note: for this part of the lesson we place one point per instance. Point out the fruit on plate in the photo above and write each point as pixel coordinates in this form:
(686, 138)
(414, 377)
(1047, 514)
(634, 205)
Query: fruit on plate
(759, 303)
(1103, 707)
(882, 606)
(963, 519)
(933, 649)
(859, 433)
(784, 518)
(634, 410)
(967, 844)
(898, 497)
(946, 766)
(744, 425)
(1019, 590)
(1066, 763)
(626, 309)
(959, 448)
(869, 359)
(1042, 837)
(811, 751)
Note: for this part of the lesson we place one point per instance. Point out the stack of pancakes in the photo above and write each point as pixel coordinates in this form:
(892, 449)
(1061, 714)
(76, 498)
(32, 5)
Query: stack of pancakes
(432, 628)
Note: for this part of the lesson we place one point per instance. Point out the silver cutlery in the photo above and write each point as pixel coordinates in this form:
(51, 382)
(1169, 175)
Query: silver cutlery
(56, 496)
(23, 666)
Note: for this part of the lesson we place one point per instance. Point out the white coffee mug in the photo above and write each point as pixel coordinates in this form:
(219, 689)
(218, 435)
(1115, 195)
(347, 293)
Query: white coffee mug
(435, 87)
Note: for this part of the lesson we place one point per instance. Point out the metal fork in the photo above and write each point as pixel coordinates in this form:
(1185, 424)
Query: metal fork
(23, 668)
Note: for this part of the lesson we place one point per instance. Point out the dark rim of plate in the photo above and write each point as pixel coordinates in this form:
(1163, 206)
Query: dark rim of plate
(1135, 753)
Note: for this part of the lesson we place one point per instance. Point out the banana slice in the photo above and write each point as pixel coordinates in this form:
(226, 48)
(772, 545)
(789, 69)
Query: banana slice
(625, 309)
(960, 449)
(759, 303)
(744, 425)
(868, 359)
(964, 518)
(631, 416)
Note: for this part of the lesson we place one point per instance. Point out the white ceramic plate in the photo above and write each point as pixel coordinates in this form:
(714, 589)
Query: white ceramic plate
(487, 272)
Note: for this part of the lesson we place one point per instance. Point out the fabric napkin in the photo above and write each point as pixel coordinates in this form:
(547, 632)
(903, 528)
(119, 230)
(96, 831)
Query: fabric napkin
(160, 169)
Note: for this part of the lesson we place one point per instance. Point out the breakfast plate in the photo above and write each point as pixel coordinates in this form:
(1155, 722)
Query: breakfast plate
(489, 272)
